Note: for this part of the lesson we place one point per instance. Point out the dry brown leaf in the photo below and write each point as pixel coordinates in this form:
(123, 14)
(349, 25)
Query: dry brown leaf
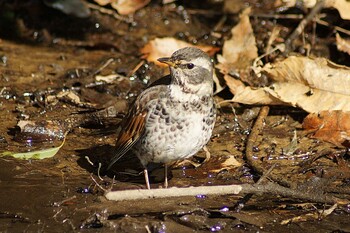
(293, 3)
(239, 51)
(238, 54)
(311, 100)
(40, 131)
(330, 126)
(124, 7)
(318, 73)
(248, 95)
(343, 6)
(343, 44)
(164, 47)
(229, 163)
(103, 2)
(312, 84)
(168, 1)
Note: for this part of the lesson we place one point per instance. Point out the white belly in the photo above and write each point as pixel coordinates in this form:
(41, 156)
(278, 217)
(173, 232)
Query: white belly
(179, 137)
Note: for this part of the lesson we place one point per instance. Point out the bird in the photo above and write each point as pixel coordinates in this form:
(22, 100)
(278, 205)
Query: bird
(170, 122)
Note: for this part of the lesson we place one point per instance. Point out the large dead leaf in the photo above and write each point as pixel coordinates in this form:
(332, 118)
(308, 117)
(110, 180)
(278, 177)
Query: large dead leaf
(239, 52)
(343, 6)
(164, 47)
(313, 84)
(330, 126)
(249, 95)
(103, 2)
(124, 7)
(343, 44)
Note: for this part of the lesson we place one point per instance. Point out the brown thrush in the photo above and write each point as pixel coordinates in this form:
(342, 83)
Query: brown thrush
(171, 122)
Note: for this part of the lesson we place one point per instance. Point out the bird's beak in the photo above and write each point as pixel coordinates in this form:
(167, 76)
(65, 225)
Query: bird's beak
(168, 60)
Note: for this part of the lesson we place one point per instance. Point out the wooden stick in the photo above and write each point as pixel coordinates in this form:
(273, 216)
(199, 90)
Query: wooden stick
(315, 195)
(253, 137)
(172, 192)
(315, 10)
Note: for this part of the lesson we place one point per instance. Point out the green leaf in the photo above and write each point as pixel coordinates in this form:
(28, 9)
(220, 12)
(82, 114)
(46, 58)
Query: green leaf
(39, 154)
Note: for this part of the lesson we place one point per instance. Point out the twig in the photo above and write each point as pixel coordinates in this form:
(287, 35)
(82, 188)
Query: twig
(57, 204)
(241, 203)
(98, 171)
(2, 91)
(267, 188)
(136, 68)
(89, 161)
(252, 159)
(274, 34)
(338, 29)
(253, 136)
(138, 194)
(98, 185)
(103, 66)
(278, 16)
(207, 154)
(300, 28)
(220, 24)
(311, 216)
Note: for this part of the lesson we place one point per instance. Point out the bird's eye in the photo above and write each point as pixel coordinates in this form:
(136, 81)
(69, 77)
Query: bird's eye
(190, 66)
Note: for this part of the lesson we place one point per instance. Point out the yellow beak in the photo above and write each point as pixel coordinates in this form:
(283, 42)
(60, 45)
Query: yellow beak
(168, 60)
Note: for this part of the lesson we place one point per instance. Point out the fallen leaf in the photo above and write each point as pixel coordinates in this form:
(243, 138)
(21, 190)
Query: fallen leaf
(103, 2)
(312, 84)
(72, 97)
(343, 6)
(124, 7)
(342, 44)
(107, 78)
(240, 50)
(249, 95)
(316, 215)
(229, 163)
(168, 1)
(164, 47)
(39, 131)
(311, 100)
(293, 3)
(330, 126)
(39, 154)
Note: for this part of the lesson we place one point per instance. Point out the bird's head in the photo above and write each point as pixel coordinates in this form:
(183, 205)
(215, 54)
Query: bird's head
(191, 69)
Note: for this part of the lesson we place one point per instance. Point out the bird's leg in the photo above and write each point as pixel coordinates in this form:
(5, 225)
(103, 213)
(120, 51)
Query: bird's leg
(207, 154)
(145, 172)
(165, 176)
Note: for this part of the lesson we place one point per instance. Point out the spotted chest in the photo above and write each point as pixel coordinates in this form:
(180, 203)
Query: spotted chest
(175, 130)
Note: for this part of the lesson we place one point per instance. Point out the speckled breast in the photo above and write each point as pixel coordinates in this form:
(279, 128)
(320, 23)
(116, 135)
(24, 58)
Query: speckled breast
(176, 130)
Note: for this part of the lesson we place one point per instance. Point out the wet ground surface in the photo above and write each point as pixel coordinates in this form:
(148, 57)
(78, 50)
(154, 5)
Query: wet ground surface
(42, 58)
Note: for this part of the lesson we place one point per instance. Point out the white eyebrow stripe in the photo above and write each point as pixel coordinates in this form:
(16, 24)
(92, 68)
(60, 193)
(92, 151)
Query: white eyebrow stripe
(200, 61)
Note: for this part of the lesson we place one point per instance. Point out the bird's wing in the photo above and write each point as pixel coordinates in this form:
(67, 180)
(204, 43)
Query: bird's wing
(133, 125)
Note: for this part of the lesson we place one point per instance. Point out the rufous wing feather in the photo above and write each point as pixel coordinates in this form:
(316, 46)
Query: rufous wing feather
(131, 131)
(134, 124)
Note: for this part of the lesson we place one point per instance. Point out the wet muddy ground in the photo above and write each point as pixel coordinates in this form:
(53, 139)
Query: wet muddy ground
(45, 53)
